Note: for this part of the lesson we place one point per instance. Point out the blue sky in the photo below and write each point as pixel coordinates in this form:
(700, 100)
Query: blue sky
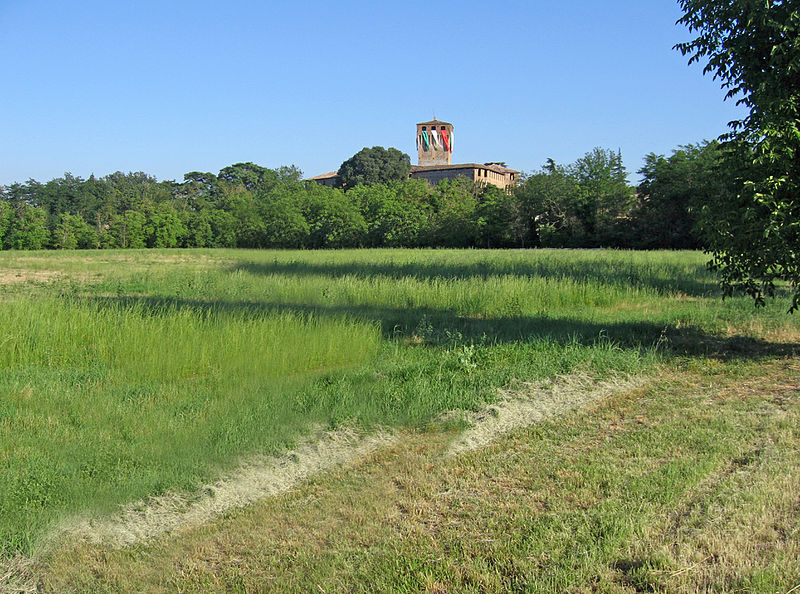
(175, 86)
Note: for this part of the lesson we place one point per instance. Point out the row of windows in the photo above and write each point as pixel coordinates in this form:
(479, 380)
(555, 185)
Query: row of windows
(485, 173)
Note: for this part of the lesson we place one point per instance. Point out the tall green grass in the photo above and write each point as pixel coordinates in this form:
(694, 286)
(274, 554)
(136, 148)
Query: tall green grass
(125, 374)
(107, 402)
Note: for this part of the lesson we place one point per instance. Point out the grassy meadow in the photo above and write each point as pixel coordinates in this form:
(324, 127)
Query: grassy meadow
(126, 374)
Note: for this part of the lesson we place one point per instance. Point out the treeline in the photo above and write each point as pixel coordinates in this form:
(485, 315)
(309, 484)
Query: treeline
(588, 204)
(584, 204)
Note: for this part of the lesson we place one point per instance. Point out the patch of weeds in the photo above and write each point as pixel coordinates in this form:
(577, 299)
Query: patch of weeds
(467, 358)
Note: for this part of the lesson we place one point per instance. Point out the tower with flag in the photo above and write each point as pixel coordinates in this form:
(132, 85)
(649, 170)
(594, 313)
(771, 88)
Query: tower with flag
(434, 143)
(434, 153)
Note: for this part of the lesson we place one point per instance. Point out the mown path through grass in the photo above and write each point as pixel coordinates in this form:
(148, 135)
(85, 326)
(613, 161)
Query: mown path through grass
(262, 477)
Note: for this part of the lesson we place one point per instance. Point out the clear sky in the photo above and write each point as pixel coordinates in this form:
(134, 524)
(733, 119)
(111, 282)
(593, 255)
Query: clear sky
(168, 87)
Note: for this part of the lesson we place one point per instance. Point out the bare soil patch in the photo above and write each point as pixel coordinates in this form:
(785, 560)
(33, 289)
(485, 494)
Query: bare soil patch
(24, 275)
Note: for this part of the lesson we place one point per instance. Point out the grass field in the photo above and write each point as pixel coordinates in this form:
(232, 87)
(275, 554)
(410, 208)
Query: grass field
(688, 484)
(127, 374)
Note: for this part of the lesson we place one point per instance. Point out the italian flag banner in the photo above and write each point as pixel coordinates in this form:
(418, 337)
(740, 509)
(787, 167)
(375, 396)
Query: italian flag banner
(446, 141)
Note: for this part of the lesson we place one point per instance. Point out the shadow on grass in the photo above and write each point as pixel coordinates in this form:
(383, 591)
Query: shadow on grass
(664, 279)
(436, 326)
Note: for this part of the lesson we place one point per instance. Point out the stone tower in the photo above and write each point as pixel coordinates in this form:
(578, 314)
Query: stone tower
(434, 143)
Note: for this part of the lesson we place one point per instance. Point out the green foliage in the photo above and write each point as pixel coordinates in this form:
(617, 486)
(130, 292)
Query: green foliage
(223, 227)
(454, 220)
(754, 49)
(74, 232)
(163, 228)
(500, 222)
(27, 228)
(65, 195)
(672, 191)
(585, 204)
(242, 207)
(198, 192)
(198, 228)
(552, 202)
(394, 213)
(753, 237)
(606, 199)
(103, 221)
(248, 175)
(128, 229)
(283, 223)
(133, 191)
(375, 165)
(5, 220)
(334, 220)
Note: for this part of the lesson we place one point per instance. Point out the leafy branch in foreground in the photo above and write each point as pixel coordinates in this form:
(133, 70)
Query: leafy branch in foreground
(753, 231)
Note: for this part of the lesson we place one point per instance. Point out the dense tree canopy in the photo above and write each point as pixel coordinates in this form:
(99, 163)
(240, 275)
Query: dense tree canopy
(375, 165)
(605, 195)
(670, 192)
(753, 230)
(249, 206)
(584, 204)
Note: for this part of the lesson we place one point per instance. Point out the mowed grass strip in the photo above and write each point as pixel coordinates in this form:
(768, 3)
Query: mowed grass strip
(688, 484)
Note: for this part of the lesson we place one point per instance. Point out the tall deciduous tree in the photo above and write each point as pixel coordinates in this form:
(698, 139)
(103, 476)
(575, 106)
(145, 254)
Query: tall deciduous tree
(128, 229)
(74, 232)
(198, 191)
(375, 165)
(282, 222)
(249, 175)
(500, 222)
(670, 189)
(394, 215)
(28, 228)
(550, 200)
(164, 227)
(606, 198)
(5, 218)
(334, 221)
(753, 233)
(454, 222)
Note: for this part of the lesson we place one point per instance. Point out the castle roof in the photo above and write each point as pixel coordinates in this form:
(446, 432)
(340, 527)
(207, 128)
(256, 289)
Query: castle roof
(328, 175)
(491, 167)
(435, 123)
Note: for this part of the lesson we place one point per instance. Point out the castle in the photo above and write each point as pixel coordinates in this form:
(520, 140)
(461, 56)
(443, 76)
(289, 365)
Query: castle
(434, 155)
